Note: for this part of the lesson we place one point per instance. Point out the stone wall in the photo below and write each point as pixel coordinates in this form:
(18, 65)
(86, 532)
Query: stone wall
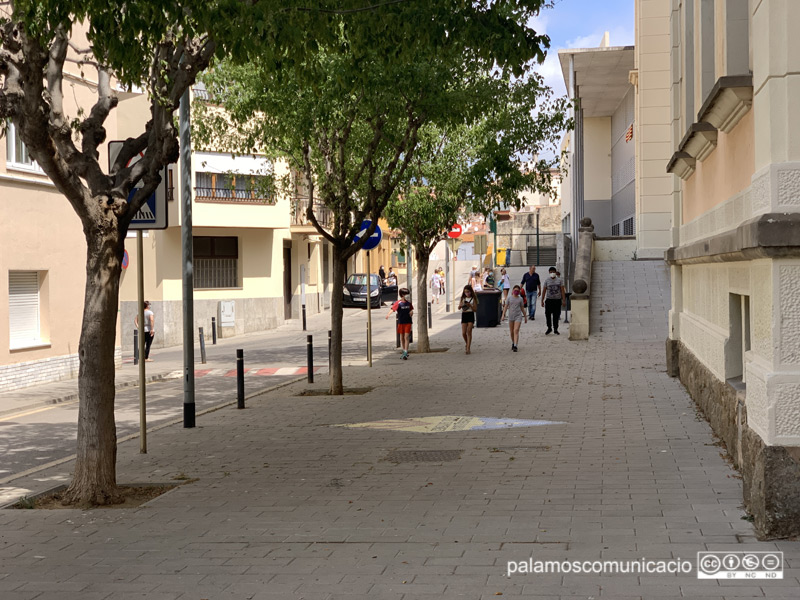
(36, 372)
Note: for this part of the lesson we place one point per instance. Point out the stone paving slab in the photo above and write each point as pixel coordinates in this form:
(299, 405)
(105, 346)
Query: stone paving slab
(288, 505)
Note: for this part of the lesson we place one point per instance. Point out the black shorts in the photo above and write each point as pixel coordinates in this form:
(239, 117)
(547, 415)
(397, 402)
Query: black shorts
(468, 317)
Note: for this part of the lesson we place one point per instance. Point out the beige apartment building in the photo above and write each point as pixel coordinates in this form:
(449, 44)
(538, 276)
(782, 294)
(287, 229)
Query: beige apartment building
(43, 252)
(616, 153)
(734, 336)
(256, 258)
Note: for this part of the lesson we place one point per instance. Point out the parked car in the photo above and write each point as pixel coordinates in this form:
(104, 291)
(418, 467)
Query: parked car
(355, 291)
(389, 292)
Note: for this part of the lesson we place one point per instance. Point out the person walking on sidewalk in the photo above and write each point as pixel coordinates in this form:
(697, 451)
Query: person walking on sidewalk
(532, 287)
(468, 305)
(553, 299)
(516, 314)
(405, 312)
(149, 329)
(505, 284)
(436, 287)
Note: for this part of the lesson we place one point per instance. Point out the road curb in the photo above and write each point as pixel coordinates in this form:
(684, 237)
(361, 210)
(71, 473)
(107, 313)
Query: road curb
(73, 397)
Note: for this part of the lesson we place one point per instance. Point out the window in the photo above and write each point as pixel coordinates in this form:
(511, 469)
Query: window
(216, 262)
(23, 309)
(16, 153)
(627, 226)
(235, 188)
(615, 230)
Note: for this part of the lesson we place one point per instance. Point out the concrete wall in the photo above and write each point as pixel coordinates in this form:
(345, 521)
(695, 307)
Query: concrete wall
(597, 152)
(623, 162)
(654, 186)
(612, 249)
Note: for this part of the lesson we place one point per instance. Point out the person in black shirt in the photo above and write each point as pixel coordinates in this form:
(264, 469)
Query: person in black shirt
(533, 289)
(405, 312)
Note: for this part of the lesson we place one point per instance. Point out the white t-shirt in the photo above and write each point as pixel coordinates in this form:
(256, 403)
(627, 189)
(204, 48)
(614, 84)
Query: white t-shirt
(148, 314)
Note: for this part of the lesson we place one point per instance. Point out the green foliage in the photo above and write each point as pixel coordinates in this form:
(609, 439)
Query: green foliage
(348, 115)
(482, 164)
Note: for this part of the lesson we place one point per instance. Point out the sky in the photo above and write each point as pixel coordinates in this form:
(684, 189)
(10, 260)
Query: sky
(581, 24)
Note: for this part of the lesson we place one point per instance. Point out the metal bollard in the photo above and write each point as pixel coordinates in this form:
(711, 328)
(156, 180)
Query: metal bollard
(367, 344)
(240, 378)
(136, 346)
(304, 317)
(430, 316)
(310, 355)
(214, 331)
(329, 350)
(202, 347)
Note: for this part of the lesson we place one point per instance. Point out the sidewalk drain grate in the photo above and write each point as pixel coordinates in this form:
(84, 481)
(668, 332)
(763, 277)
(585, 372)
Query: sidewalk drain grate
(513, 448)
(411, 456)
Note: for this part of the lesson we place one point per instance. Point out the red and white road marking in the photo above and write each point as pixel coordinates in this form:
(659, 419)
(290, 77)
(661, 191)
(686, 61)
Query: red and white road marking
(249, 372)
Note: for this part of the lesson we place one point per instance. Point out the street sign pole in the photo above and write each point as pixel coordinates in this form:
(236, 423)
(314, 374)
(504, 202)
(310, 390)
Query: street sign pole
(369, 313)
(140, 321)
(447, 281)
(188, 260)
(369, 244)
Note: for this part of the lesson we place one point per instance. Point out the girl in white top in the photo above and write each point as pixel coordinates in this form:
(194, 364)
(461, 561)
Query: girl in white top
(516, 314)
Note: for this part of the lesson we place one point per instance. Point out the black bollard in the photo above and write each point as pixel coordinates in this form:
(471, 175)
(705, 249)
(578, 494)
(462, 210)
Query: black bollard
(430, 316)
(202, 347)
(304, 317)
(240, 378)
(136, 346)
(329, 350)
(310, 354)
(214, 331)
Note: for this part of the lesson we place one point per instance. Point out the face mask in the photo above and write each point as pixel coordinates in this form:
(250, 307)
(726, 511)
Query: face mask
(515, 292)
(552, 275)
(468, 294)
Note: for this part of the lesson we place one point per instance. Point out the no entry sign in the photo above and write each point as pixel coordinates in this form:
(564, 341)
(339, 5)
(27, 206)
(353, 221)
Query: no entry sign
(455, 231)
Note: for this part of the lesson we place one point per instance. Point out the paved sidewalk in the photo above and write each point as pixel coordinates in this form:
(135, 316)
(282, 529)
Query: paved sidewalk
(289, 504)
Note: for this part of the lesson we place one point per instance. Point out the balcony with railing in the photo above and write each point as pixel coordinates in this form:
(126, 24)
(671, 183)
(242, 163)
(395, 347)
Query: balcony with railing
(242, 189)
(300, 220)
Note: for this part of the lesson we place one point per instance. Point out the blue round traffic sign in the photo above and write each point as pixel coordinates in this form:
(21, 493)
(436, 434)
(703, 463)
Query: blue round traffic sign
(374, 239)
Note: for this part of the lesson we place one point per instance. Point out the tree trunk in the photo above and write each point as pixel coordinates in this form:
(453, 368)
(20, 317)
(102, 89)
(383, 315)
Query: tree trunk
(95, 478)
(337, 314)
(422, 258)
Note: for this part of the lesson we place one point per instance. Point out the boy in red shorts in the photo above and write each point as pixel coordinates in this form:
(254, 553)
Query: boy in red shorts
(404, 310)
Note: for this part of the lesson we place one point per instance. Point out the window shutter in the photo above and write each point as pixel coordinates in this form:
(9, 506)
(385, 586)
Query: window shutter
(23, 309)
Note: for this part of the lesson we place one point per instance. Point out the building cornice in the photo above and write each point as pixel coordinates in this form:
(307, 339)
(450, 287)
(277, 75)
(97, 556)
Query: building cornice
(772, 235)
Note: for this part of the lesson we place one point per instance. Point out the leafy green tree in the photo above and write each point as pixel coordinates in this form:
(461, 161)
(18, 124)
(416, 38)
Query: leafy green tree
(475, 167)
(349, 118)
(156, 45)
